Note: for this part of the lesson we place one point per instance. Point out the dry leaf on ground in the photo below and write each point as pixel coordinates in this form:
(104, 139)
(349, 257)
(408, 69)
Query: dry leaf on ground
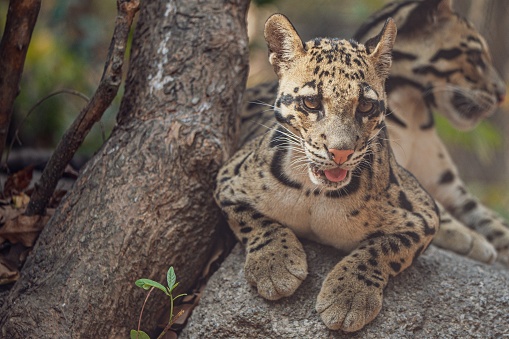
(8, 212)
(24, 229)
(19, 181)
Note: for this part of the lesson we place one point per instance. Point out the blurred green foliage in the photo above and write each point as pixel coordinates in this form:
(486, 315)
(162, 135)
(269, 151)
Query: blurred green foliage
(67, 51)
(70, 44)
(485, 140)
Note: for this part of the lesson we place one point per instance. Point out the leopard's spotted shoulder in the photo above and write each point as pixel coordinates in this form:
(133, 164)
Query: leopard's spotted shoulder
(326, 172)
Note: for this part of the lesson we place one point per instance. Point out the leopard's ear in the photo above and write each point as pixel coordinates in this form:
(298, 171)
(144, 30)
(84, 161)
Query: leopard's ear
(380, 48)
(285, 44)
(426, 13)
(444, 8)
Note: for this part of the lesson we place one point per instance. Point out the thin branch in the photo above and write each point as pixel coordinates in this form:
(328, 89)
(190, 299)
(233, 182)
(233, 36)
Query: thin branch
(101, 100)
(37, 104)
(21, 19)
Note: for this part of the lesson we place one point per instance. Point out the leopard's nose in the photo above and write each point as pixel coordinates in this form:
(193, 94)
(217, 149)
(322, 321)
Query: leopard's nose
(339, 155)
(501, 91)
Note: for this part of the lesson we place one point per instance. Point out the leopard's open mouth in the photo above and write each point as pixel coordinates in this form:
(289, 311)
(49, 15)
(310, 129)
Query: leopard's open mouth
(335, 177)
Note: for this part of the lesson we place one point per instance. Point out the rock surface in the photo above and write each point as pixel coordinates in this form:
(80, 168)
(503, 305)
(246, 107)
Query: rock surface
(441, 296)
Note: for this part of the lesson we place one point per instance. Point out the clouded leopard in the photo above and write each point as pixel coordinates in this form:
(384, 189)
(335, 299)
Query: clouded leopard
(440, 63)
(327, 172)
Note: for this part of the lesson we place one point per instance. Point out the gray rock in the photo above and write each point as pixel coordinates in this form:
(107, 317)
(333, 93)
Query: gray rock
(441, 296)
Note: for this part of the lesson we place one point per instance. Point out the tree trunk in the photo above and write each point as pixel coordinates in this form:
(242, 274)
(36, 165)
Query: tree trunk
(144, 202)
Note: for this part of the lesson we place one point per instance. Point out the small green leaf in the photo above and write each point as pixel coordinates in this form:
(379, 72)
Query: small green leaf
(139, 335)
(171, 278)
(147, 284)
(173, 287)
(180, 295)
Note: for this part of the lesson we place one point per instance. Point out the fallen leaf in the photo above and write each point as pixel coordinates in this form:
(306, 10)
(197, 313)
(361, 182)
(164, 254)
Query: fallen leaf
(21, 200)
(170, 335)
(24, 229)
(19, 181)
(8, 212)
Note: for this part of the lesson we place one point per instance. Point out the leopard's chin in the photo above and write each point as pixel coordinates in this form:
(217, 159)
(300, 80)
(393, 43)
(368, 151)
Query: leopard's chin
(465, 112)
(332, 178)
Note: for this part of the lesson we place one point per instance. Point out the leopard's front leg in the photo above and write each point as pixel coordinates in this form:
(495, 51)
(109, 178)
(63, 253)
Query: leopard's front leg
(275, 260)
(352, 293)
(443, 182)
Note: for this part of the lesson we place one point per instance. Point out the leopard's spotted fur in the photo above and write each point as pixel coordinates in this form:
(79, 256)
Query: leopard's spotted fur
(453, 75)
(327, 173)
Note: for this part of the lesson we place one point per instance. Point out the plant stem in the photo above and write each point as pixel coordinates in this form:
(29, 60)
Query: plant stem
(166, 329)
(141, 313)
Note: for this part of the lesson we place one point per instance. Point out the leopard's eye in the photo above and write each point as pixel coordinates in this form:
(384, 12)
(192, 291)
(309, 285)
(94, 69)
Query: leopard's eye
(365, 106)
(312, 103)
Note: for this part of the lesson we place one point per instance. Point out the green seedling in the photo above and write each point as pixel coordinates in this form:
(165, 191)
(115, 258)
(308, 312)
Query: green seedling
(148, 284)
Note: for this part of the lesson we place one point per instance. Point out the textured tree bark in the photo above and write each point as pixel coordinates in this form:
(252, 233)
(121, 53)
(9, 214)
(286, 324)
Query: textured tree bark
(144, 202)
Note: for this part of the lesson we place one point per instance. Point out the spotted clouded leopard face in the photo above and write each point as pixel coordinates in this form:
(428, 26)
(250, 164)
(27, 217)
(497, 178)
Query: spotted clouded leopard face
(331, 97)
(443, 53)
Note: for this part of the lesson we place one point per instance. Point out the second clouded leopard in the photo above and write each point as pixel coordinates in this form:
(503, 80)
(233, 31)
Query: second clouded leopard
(327, 173)
(440, 62)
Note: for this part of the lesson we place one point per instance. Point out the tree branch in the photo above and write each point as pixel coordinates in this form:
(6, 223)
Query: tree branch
(21, 19)
(92, 113)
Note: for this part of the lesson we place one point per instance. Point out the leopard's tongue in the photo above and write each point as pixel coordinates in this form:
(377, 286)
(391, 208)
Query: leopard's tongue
(335, 174)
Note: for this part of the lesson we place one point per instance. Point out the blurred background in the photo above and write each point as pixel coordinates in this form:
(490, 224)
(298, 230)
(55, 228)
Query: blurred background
(70, 44)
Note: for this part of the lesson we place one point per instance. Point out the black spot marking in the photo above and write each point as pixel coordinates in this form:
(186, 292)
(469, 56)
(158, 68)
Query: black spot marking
(242, 207)
(446, 178)
(226, 203)
(427, 229)
(236, 170)
(287, 99)
(246, 230)
(414, 236)
(400, 56)
(469, 206)
(256, 215)
(395, 266)
(394, 246)
(375, 235)
(404, 202)
(259, 247)
(483, 222)
(447, 54)
(266, 223)
(268, 233)
(404, 240)
(423, 70)
(225, 179)
(311, 84)
(418, 253)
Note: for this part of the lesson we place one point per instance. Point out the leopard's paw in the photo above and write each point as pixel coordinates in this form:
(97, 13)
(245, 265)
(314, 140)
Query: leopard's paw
(348, 304)
(278, 268)
(458, 238)
(499, 237)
